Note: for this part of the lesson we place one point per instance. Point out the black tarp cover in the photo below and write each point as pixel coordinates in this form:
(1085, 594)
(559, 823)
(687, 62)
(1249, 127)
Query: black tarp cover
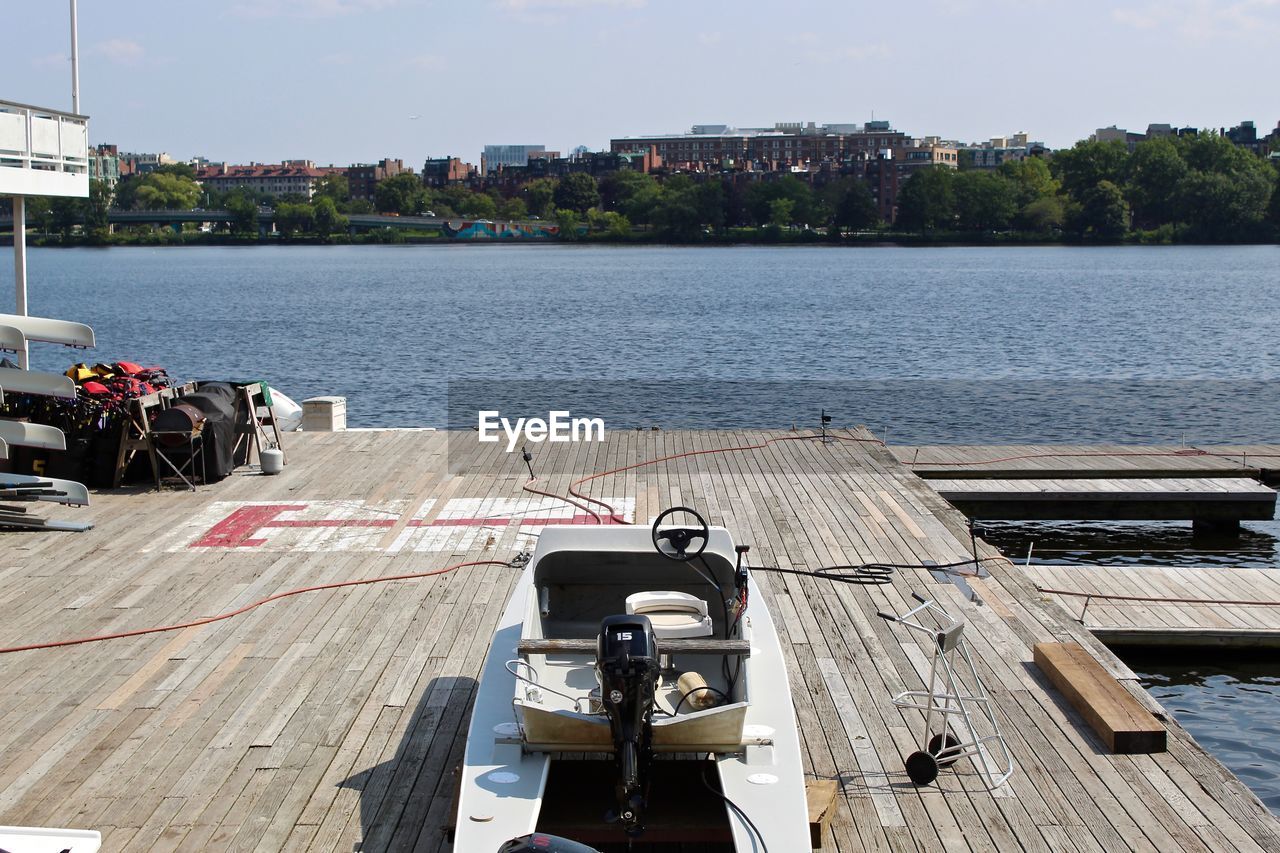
(218, 402)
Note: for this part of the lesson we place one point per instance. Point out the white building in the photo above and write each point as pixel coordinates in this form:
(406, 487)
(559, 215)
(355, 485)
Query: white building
(496, 156)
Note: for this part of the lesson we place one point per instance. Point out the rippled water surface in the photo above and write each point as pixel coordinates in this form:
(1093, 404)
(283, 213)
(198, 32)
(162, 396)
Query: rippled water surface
(1231, 712)
(387, 327)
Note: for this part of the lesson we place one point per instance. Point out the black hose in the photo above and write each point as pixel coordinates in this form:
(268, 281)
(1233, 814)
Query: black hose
(764, 848)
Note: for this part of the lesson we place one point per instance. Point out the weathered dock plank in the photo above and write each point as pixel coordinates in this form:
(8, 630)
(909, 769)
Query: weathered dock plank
(1228, 499)
(332, 719)
(1157, 605)
(1060, 461)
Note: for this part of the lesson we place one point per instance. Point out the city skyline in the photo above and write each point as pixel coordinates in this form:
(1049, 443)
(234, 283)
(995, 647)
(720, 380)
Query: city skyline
(356, 80)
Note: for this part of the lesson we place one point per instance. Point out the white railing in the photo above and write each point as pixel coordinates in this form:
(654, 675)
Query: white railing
(39, 143)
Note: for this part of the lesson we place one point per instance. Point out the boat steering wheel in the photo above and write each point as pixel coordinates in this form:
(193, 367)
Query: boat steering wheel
(680, 537)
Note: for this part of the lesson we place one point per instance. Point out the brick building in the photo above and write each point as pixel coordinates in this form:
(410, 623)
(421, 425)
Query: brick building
(446, 171)
(784, 146)
(363, 178)
(292, 177)
(104, 164)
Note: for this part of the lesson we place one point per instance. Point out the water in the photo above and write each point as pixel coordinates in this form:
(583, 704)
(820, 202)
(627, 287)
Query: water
(980, 345)
(388, 327)
(1230, 711)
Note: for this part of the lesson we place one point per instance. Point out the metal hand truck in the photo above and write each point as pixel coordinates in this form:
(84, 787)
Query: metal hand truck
(954, 702)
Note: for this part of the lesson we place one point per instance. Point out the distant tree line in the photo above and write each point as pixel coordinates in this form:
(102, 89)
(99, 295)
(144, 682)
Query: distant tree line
(1201, 188)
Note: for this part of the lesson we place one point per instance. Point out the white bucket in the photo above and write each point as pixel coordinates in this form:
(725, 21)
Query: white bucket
(272, 460)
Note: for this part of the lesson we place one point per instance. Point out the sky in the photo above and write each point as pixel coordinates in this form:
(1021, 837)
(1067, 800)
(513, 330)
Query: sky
(343, 81)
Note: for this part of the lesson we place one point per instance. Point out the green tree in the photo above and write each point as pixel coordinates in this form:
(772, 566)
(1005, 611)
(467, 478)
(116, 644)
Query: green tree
(66, 214)
(619, 188)
(97, 210)
(357, 205)
(1101, 213)
(781, 212)
(327, 220)
(1154, 172)
(985, 201)
(1217, 207)
(463, 202)
(1031, 178)
(578, 192)
(513, 209)
(1273, 209)
(1224, 195)
(927, 200)
(615, 225)
(539, 195)
(334, 186)
(38, 213)
(760, 198)
(164, 191)
(292, 218)
(568, 221)
(402, 194)
(242, 211)
(1080, 169)
(682, 209)
(852, 205)
(126, 192)
(178, 170)
(1043, 216)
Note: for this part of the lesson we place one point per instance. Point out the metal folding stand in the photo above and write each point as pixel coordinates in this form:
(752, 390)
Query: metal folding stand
(953, 703)
(164, 443)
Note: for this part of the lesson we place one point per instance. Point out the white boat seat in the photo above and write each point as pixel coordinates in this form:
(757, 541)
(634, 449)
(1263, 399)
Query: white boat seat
(674, 615)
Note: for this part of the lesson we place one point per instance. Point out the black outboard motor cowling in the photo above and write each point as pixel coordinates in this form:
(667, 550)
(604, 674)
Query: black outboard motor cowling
(627, 667)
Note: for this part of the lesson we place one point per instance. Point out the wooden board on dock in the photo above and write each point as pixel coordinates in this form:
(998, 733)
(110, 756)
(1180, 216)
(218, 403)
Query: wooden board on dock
(1199, 498)
(1060, 461)
(1161, 606)
(1121, 722)
(331, 720)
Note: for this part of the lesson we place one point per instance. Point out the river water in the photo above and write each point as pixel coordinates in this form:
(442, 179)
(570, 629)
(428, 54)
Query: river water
(977, 345)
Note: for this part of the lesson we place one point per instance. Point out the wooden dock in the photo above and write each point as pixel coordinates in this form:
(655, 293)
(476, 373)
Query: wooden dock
(1199, 499)
(331, 720)
(1058, 461)
(1161, 606)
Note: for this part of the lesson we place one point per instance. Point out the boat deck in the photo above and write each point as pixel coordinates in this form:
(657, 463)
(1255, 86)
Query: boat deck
(331, 720)
(1159, 605)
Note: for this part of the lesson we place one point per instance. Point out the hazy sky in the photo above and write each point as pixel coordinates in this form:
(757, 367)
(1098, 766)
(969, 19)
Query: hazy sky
(355, 80)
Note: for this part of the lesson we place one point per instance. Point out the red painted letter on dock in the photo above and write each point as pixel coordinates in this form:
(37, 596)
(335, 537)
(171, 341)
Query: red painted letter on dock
(234, 530)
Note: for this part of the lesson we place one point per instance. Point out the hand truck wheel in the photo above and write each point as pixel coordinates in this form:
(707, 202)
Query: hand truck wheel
(922, 767)
(938, 743)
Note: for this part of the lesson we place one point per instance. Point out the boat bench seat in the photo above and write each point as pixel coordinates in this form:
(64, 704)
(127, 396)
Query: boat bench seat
(736, 648)
(673, 615)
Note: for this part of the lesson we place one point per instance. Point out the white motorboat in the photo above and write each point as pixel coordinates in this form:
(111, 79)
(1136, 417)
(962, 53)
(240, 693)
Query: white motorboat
(642, 644)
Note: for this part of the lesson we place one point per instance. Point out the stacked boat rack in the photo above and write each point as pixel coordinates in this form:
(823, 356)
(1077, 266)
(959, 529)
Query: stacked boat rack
(16, 331)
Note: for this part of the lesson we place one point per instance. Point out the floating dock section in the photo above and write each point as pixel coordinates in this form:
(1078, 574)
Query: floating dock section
(1162, 606)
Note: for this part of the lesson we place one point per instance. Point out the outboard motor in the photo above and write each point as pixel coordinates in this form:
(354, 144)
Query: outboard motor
(540, 842)
(627, 668)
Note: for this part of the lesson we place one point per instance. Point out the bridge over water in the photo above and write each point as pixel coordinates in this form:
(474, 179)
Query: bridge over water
(456, 228)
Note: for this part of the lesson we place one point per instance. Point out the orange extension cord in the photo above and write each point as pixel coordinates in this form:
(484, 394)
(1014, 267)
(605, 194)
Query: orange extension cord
(194, 623)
